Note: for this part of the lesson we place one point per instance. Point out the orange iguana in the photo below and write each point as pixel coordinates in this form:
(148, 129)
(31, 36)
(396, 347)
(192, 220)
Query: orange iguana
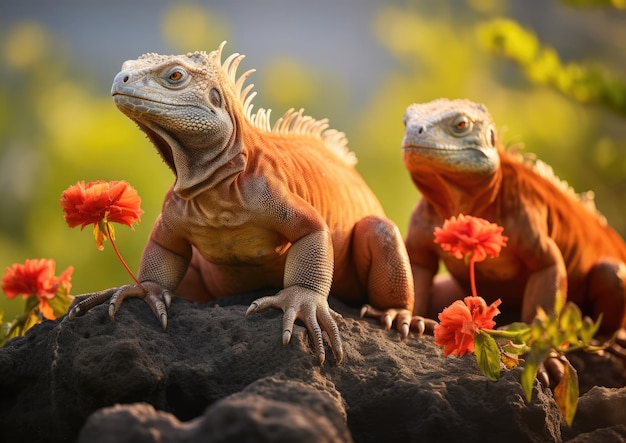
(556, 241)
(255, 207)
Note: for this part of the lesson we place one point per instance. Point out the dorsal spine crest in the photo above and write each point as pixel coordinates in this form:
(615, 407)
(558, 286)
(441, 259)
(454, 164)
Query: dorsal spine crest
(291, 122)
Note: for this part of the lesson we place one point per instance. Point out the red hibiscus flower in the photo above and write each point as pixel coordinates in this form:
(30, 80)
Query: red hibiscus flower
(460, 321)
(101, 203)
(35, 278)
(472, 239)
(465, 235)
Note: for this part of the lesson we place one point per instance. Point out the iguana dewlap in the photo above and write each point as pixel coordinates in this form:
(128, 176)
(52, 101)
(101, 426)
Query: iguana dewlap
(255, 207)
(556, 241)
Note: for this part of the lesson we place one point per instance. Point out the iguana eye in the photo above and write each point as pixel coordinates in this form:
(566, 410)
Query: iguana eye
(176, 76)
(461, 125)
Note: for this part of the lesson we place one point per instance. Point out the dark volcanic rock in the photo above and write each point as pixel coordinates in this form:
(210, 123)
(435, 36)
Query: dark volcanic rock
(216, 375)
(267, 410)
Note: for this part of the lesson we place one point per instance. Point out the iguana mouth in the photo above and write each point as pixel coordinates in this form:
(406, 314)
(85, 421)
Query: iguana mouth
(161, 145)
(133, 100)
(416, 147)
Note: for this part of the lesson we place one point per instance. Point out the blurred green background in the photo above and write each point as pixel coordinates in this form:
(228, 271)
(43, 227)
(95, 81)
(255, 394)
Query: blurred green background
(552, 84)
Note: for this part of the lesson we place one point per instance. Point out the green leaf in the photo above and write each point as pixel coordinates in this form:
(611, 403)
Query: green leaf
(571, 318)
(517, 326)
(59, 304)
(487, 355)
(535, 357)
(31, 303)
(589, 328)
(3, 329)
(515, 349)
(32, 319)
(17, 328)
(566, 393)
(522, 331)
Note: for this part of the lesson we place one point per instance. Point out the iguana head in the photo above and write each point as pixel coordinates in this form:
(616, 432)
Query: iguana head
(188, 105)
(450, 136)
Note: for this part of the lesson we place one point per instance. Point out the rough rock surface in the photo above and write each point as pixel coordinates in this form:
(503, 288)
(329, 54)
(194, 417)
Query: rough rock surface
(216, 375)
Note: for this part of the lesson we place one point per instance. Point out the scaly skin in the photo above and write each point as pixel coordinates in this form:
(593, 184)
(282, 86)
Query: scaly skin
(254, 207)
(555, 241)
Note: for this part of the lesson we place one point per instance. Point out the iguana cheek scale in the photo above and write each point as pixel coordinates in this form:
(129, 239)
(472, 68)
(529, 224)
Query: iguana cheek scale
(255, 206)
(557, 240)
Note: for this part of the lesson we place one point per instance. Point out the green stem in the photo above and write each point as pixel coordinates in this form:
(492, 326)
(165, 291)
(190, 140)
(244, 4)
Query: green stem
(505, 334)
(473, 276)
(119, 256)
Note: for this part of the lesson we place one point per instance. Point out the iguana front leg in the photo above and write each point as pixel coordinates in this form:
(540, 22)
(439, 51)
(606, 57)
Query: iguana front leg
(382, 263)
(548, 277)
(307, 281)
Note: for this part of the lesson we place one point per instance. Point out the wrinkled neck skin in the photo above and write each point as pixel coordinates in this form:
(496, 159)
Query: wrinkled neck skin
(452, 192)
(201, 164)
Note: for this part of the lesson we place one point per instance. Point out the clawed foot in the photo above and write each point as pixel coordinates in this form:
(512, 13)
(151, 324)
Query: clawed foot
(403, 318)
(551, 371)
(312, 309)
(158, 298)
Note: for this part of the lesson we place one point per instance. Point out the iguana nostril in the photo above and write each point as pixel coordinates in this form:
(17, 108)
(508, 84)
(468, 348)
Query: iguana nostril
(421, 130)
(122, 77)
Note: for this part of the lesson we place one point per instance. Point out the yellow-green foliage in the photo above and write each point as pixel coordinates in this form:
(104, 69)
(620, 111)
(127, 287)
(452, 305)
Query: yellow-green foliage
(619, 4)
(585, 83)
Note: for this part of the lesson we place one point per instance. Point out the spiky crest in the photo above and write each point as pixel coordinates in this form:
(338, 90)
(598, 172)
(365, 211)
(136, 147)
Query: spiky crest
(291, 122)
(586, 199)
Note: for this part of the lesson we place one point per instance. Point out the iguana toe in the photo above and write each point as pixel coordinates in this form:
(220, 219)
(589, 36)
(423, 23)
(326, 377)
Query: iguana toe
(402, 318)
(83, 303)
(418, 325)
(312, 309)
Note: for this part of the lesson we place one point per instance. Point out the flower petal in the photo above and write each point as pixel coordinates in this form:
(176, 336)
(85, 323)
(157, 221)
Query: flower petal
(459, 322)
(465, 235)
(34, 278)
(114, 201)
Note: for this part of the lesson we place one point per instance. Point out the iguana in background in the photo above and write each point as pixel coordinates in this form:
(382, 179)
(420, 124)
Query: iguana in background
(556, 239)
(255, 206)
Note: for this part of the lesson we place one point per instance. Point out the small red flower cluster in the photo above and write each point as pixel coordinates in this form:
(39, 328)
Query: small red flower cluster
(461, 320)
(100, 203)
(475, 236)
(35, 278)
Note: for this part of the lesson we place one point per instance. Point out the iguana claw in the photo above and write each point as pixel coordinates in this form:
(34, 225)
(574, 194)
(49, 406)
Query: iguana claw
(401, 317)
(404, 332)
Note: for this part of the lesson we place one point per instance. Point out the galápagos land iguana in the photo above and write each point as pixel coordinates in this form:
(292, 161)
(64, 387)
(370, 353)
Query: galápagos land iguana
(255, 206)
(557, 240)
